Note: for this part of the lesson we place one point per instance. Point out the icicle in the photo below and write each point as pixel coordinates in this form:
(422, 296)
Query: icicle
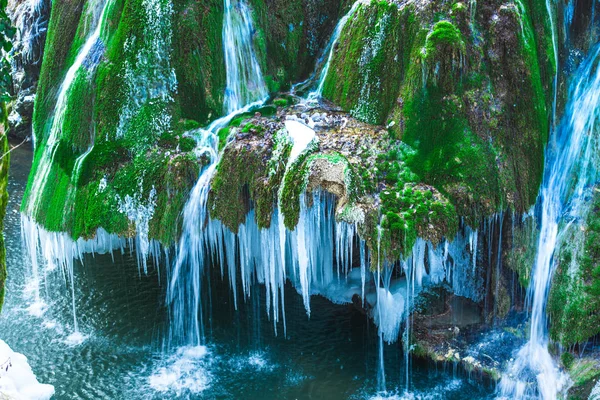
(363, 270)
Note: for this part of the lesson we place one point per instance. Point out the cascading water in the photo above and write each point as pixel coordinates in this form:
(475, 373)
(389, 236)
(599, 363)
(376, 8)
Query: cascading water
(329, 50)
(51, 145)
(245, 83)
(55, 248)
(570, 170)
(245, 89)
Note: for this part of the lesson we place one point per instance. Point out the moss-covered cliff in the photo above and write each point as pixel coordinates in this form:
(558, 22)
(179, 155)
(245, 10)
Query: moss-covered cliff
(156, 73)
(471, 92)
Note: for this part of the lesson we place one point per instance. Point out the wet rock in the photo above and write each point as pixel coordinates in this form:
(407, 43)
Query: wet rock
(30, 17)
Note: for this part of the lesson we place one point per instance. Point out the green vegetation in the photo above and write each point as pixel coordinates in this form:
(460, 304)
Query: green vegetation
(130, 157)
(574, 303)
(373, 40)
(61, 32)
(410, 208)
(290, 37)
(444, 34)
(244, 180)
(198, 58)
(584, 373)
(296, 181)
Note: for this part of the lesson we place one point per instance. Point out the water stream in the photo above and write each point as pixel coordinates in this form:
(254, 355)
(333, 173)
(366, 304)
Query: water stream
(570, 170)
(245, 89)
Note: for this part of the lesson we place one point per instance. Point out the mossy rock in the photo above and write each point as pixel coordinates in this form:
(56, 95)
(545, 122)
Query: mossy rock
(249, 174)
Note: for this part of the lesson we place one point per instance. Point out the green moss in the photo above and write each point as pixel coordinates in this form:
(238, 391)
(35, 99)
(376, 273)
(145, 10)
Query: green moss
(458, 7)
(521, 256)
(280, 102)
(370, 90)
(444, 34)
(523, 123)
(248, 176)
(198, 58)
(290, 36)
(77, 127)
(410, 209)
(448, 155)
(567, 360)
(574, 302)
(61, 31)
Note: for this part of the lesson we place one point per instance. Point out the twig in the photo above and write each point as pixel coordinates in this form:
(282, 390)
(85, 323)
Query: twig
(27, 139)
(5, 365)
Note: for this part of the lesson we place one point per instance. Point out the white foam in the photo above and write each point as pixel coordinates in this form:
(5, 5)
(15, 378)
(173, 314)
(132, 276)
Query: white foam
(17, 380)
(185, 372)
(76, 339)
(37, 309)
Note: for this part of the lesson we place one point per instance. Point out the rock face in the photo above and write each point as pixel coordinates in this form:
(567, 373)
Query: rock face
(450, 89)
(464, 85)
(30, 17)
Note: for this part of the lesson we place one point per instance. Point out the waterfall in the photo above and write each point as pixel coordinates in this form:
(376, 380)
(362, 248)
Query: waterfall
(245, 83)
(245, 89)
(56, 248)
(569, 171)
(330, 49)
(48, 151)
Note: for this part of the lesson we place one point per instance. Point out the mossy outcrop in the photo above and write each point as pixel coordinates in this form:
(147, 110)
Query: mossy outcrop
(249, 175)
(358, 163)
(468, 91)
(156, 74)
(574, 302)
(291, 36)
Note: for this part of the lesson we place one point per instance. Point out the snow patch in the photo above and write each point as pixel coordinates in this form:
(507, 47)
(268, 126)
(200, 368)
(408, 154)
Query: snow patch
(17, 380)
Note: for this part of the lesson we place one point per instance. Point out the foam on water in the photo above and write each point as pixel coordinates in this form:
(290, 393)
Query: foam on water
(75, 339)
(185, 372)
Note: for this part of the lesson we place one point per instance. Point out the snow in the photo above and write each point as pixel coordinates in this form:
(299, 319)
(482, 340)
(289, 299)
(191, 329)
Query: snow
(17, 380)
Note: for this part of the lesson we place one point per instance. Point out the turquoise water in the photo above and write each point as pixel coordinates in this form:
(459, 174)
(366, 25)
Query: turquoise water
(122, 314)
